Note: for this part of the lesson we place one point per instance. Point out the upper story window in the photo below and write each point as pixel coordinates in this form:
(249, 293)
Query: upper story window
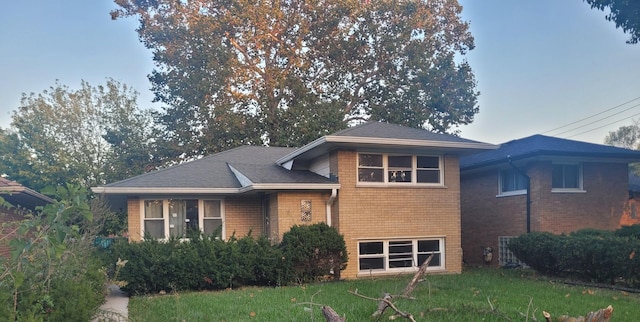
(409, 169)
(512, 182)
(566, 177)
(164, 218)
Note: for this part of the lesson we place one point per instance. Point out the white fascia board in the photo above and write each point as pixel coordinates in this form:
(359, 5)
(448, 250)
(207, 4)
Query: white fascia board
(297, 152)
(290, 186)
(244, 181)
(385, 142)
(164, 190)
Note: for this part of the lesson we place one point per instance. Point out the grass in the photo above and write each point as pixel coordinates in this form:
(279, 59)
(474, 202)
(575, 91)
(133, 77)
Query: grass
(475, 295)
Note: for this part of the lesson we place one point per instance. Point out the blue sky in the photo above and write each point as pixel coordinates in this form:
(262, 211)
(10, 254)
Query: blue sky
(539, 64)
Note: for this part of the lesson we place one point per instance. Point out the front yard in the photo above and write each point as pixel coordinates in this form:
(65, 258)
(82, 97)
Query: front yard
(475, 295)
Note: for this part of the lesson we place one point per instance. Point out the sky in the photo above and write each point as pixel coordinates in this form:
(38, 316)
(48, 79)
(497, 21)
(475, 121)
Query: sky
(547, 67)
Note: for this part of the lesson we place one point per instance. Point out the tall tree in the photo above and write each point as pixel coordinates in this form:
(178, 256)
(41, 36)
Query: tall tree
(286, 72)
(87, 136)
(627, 136)
(624, 13)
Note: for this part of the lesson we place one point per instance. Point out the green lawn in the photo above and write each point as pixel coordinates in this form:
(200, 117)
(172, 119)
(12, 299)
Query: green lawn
(475, 295)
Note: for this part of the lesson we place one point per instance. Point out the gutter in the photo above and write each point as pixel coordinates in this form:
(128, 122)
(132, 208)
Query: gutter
(528, 192)
(329, 204)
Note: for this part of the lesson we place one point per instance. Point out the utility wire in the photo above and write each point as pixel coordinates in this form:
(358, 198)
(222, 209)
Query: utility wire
(592, 116)
(598, 120)
(620, 120)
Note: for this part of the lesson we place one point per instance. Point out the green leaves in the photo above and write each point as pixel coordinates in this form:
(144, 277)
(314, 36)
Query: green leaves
(86, 136)
(284, 73)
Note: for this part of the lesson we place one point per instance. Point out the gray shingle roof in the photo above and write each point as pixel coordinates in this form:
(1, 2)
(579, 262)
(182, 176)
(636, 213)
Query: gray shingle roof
(257, 163)
(393, 131)
(545, 145)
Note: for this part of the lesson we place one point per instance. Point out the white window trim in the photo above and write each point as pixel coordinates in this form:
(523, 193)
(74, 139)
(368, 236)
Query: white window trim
(501, 193)
(165, 215)
(414, 171)
(385, 254)
(579, 189)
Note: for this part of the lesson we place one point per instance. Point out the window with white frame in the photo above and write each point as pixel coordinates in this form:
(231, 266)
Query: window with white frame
(401, 254)
(566, 177)
(512, 181)
(164, 218)
(408, 169)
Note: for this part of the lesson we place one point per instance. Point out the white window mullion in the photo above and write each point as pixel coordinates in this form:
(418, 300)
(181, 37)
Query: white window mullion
(165, 217)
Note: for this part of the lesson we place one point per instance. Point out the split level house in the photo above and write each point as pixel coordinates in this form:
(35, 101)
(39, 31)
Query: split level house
(20, 200)
(541, 183)
(393, 192)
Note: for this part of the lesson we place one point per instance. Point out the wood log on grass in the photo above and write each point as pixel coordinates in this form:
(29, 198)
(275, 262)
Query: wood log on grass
(601, 315)
(331, 315)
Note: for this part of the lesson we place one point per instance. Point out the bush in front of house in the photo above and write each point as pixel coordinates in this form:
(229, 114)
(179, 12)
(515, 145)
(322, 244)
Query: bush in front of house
(201, 263)
(590, 255)
(314, 251)
(538, 251)
(208, 263)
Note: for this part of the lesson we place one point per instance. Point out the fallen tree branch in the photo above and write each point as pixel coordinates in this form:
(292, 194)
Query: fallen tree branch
(330, 315)
(601, 315)
(390, 304)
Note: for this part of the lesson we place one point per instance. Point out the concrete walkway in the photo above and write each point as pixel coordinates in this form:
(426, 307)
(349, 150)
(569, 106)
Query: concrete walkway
(115, 308)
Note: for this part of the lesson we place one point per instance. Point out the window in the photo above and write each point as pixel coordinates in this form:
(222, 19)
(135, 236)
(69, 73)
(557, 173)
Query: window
(393, 169)
(154, 218)
(390, 255)
(512, 182)
(505, 257)
(164, 218)
(566, 176)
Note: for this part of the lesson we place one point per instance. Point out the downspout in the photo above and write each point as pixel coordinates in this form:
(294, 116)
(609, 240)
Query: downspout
(332, 198)
(528, 187)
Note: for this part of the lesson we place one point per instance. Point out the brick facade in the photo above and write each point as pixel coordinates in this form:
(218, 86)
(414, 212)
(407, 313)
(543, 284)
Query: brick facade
(486, 216)
(398, 212)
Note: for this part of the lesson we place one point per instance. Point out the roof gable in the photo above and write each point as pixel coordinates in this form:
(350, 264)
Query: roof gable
(538, 145)
(385, 136)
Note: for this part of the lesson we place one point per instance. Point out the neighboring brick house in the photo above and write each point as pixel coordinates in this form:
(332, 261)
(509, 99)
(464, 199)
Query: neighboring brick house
(573, 185)
(392, 191)
(21, 200)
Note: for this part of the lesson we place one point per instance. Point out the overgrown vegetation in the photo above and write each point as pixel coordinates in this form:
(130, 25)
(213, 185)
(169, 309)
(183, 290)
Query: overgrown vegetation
(52, 274)
(208, 263)
(474, 295)
(591, 255)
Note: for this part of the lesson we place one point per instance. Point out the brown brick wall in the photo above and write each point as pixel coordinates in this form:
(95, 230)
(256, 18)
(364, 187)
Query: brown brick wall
(289, 212)
(243, 215)
(134, 212)
(485, 217)
(393, 212)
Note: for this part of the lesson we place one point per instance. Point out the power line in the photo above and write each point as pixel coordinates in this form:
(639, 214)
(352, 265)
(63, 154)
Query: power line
(594, 115)
(624, 119)
(596, 121)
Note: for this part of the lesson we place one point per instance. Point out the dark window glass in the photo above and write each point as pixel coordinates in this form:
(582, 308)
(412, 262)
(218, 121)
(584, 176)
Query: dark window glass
(371, 263)
(371, 248)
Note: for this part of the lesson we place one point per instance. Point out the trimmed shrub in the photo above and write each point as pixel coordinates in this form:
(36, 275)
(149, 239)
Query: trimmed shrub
(589, 254)
(314, 251)
(538, 250)
(202, 263)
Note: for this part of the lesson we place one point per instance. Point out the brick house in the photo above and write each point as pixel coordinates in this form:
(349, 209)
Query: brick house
(393, 192)
(21, 200)
(540, 183)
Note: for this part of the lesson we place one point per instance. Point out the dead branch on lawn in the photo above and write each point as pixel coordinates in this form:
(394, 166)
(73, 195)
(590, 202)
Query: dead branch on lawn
(390, 304)
(330, 315)
(417, 276)
(601, 315)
